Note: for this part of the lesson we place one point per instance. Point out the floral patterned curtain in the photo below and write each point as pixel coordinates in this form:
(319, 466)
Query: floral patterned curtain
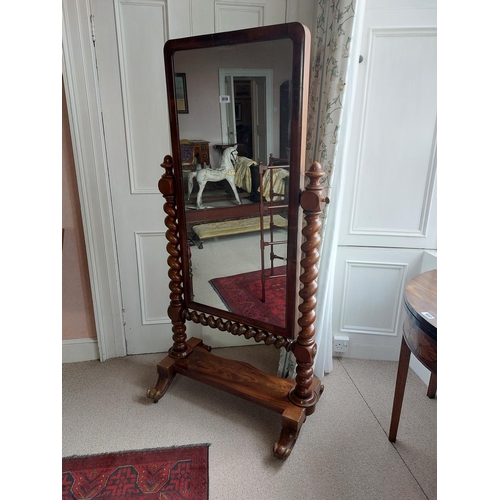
(331, 42)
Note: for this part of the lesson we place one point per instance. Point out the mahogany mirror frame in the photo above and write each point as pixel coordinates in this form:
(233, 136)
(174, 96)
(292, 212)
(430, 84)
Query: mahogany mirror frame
(294, 399)
(299, 36)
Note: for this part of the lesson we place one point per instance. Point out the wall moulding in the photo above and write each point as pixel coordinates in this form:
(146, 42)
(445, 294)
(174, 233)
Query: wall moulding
(379, 314)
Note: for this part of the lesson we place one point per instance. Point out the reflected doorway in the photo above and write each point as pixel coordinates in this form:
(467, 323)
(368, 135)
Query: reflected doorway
(248, 122)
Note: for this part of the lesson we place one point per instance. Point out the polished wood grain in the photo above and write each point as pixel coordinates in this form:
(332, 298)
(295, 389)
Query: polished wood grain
(421, 297)
(240, 330)
(305, 349)
(167, 188)
(293, 399)
(419, 337)
(300, 37)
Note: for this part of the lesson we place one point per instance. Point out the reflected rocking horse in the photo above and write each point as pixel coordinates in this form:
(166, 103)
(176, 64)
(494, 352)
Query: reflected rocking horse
(225, 171)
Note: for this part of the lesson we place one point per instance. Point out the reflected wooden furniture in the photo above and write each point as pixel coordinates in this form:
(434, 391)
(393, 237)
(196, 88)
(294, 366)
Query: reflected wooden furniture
(194, 151)
(187, 154)
(278, 161)
(271, 209)
(419, 337)
(202, 151)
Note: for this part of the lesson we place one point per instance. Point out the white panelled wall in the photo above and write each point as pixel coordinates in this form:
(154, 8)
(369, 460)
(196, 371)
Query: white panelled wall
(387, 229)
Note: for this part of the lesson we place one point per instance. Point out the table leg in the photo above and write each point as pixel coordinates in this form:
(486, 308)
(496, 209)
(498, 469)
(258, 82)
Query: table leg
(404, 363)
(431, 389)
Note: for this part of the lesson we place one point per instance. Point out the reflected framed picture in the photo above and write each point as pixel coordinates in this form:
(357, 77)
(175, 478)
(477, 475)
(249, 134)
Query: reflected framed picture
(181, 93)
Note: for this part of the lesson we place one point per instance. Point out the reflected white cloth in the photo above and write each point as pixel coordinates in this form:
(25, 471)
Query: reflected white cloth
(243, 176)
(279, 182)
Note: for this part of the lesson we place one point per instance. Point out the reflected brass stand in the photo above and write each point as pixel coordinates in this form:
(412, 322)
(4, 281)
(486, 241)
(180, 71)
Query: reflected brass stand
(293, 399)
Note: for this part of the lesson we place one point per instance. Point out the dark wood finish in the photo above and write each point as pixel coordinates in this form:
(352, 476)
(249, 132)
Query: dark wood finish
(305, 349)
(432, 388)
(214, 214)
(202, 151)
(238, 329)
(278, 161)
(167, 188)
(293, 399)
(421, 297)
(300, 37)
(285, 106)
(242, 380)
(221, 147)
(270, 209)
(419, 337)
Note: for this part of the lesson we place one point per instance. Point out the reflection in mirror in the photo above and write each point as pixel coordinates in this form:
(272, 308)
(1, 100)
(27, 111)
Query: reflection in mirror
(237, 127)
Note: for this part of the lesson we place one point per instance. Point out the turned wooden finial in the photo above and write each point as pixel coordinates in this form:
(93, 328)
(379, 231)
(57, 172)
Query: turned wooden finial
(312, 198)
(166, 183)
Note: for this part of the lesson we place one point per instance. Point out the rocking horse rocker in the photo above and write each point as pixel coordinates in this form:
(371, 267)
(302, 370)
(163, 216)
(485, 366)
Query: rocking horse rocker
(225, 171)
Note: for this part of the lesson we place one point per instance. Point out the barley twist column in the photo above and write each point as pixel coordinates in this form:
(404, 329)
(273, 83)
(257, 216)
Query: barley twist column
(167, 188)
(304, 350)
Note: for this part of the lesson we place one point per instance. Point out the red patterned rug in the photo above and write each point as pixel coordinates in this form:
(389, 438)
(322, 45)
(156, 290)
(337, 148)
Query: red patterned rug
(169, 473)
(242, 294)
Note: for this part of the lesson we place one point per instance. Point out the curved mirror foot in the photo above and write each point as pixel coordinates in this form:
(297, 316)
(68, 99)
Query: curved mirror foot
(284, 446)
(166, 374)
(292, 419)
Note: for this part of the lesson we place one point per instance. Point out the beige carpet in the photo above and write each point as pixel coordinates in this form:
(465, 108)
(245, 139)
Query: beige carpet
(342, 451)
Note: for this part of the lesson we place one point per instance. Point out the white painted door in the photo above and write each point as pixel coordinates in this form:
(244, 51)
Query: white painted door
(261, 93)
(129, 39)
(262, 112)
(389, 207)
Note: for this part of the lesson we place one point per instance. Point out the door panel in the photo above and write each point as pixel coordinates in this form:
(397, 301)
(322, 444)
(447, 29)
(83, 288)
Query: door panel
(147, 130)
(392, 167)
(388, 215)
(368, 298)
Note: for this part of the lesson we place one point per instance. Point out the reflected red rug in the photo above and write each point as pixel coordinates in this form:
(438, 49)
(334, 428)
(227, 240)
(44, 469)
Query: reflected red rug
(169, 473)
(242, 294)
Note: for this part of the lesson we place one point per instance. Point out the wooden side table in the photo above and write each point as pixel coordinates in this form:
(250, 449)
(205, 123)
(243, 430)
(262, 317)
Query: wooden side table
(419, 337)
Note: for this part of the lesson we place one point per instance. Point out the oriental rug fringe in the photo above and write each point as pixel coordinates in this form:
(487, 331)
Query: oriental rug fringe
(159, 474)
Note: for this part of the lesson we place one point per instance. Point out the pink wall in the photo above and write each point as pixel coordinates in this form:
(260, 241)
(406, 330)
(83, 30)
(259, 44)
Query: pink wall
(77, 310)
(202, 80)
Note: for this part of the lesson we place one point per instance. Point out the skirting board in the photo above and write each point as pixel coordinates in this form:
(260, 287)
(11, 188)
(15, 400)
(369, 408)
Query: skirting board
(374, 352)
(79, 350)
(381, 353)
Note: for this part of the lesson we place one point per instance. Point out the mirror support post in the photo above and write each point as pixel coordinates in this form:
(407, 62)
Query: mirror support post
(305, 393)
(180, 348)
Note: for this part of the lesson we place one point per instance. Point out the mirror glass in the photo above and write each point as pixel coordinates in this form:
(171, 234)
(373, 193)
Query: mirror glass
(233, 112)
(233, 125)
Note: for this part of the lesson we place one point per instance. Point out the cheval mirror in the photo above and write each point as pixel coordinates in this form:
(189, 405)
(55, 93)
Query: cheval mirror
(242, 231)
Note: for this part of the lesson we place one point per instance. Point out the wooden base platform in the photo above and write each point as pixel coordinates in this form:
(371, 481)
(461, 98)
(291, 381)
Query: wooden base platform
(242, 380)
